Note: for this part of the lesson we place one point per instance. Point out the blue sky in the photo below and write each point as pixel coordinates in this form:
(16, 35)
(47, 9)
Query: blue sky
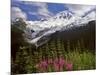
(37, 10)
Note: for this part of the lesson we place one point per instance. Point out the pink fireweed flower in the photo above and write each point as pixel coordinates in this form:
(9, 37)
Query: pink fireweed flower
(50, 61)
(42, 66)
(61, 63)
(44, 63)
(56, 60)
(56, 66)
(69, 66)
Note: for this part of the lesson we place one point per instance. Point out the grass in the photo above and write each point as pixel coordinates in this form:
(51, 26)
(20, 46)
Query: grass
(81, 61)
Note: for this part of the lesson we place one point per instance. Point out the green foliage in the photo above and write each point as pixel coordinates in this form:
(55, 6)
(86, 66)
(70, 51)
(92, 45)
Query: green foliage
(82, 61)
(26, 60)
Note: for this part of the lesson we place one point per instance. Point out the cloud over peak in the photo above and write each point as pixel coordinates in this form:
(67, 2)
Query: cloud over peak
(16, 12)
(79, 9)
(42, 9)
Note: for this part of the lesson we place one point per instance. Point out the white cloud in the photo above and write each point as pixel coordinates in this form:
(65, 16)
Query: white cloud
(32, 13)
(16, 12)
(42, 9)
(79, 9)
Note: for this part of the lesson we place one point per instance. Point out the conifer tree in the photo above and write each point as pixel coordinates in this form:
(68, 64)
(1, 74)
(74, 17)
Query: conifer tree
(63, 49)
(78, 46)
(21, 60)
(40, 53)
(53, 49)
(59, 47)
(68, 45)
(82, 44)
(43, 48)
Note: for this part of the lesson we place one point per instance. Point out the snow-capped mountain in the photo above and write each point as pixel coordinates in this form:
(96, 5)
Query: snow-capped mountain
(38, 32)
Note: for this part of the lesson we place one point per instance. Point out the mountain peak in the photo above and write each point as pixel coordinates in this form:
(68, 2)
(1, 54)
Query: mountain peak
(64, 14)
(60, 22)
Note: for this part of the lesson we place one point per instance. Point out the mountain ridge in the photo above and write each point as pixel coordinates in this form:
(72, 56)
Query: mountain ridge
(37, 30)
